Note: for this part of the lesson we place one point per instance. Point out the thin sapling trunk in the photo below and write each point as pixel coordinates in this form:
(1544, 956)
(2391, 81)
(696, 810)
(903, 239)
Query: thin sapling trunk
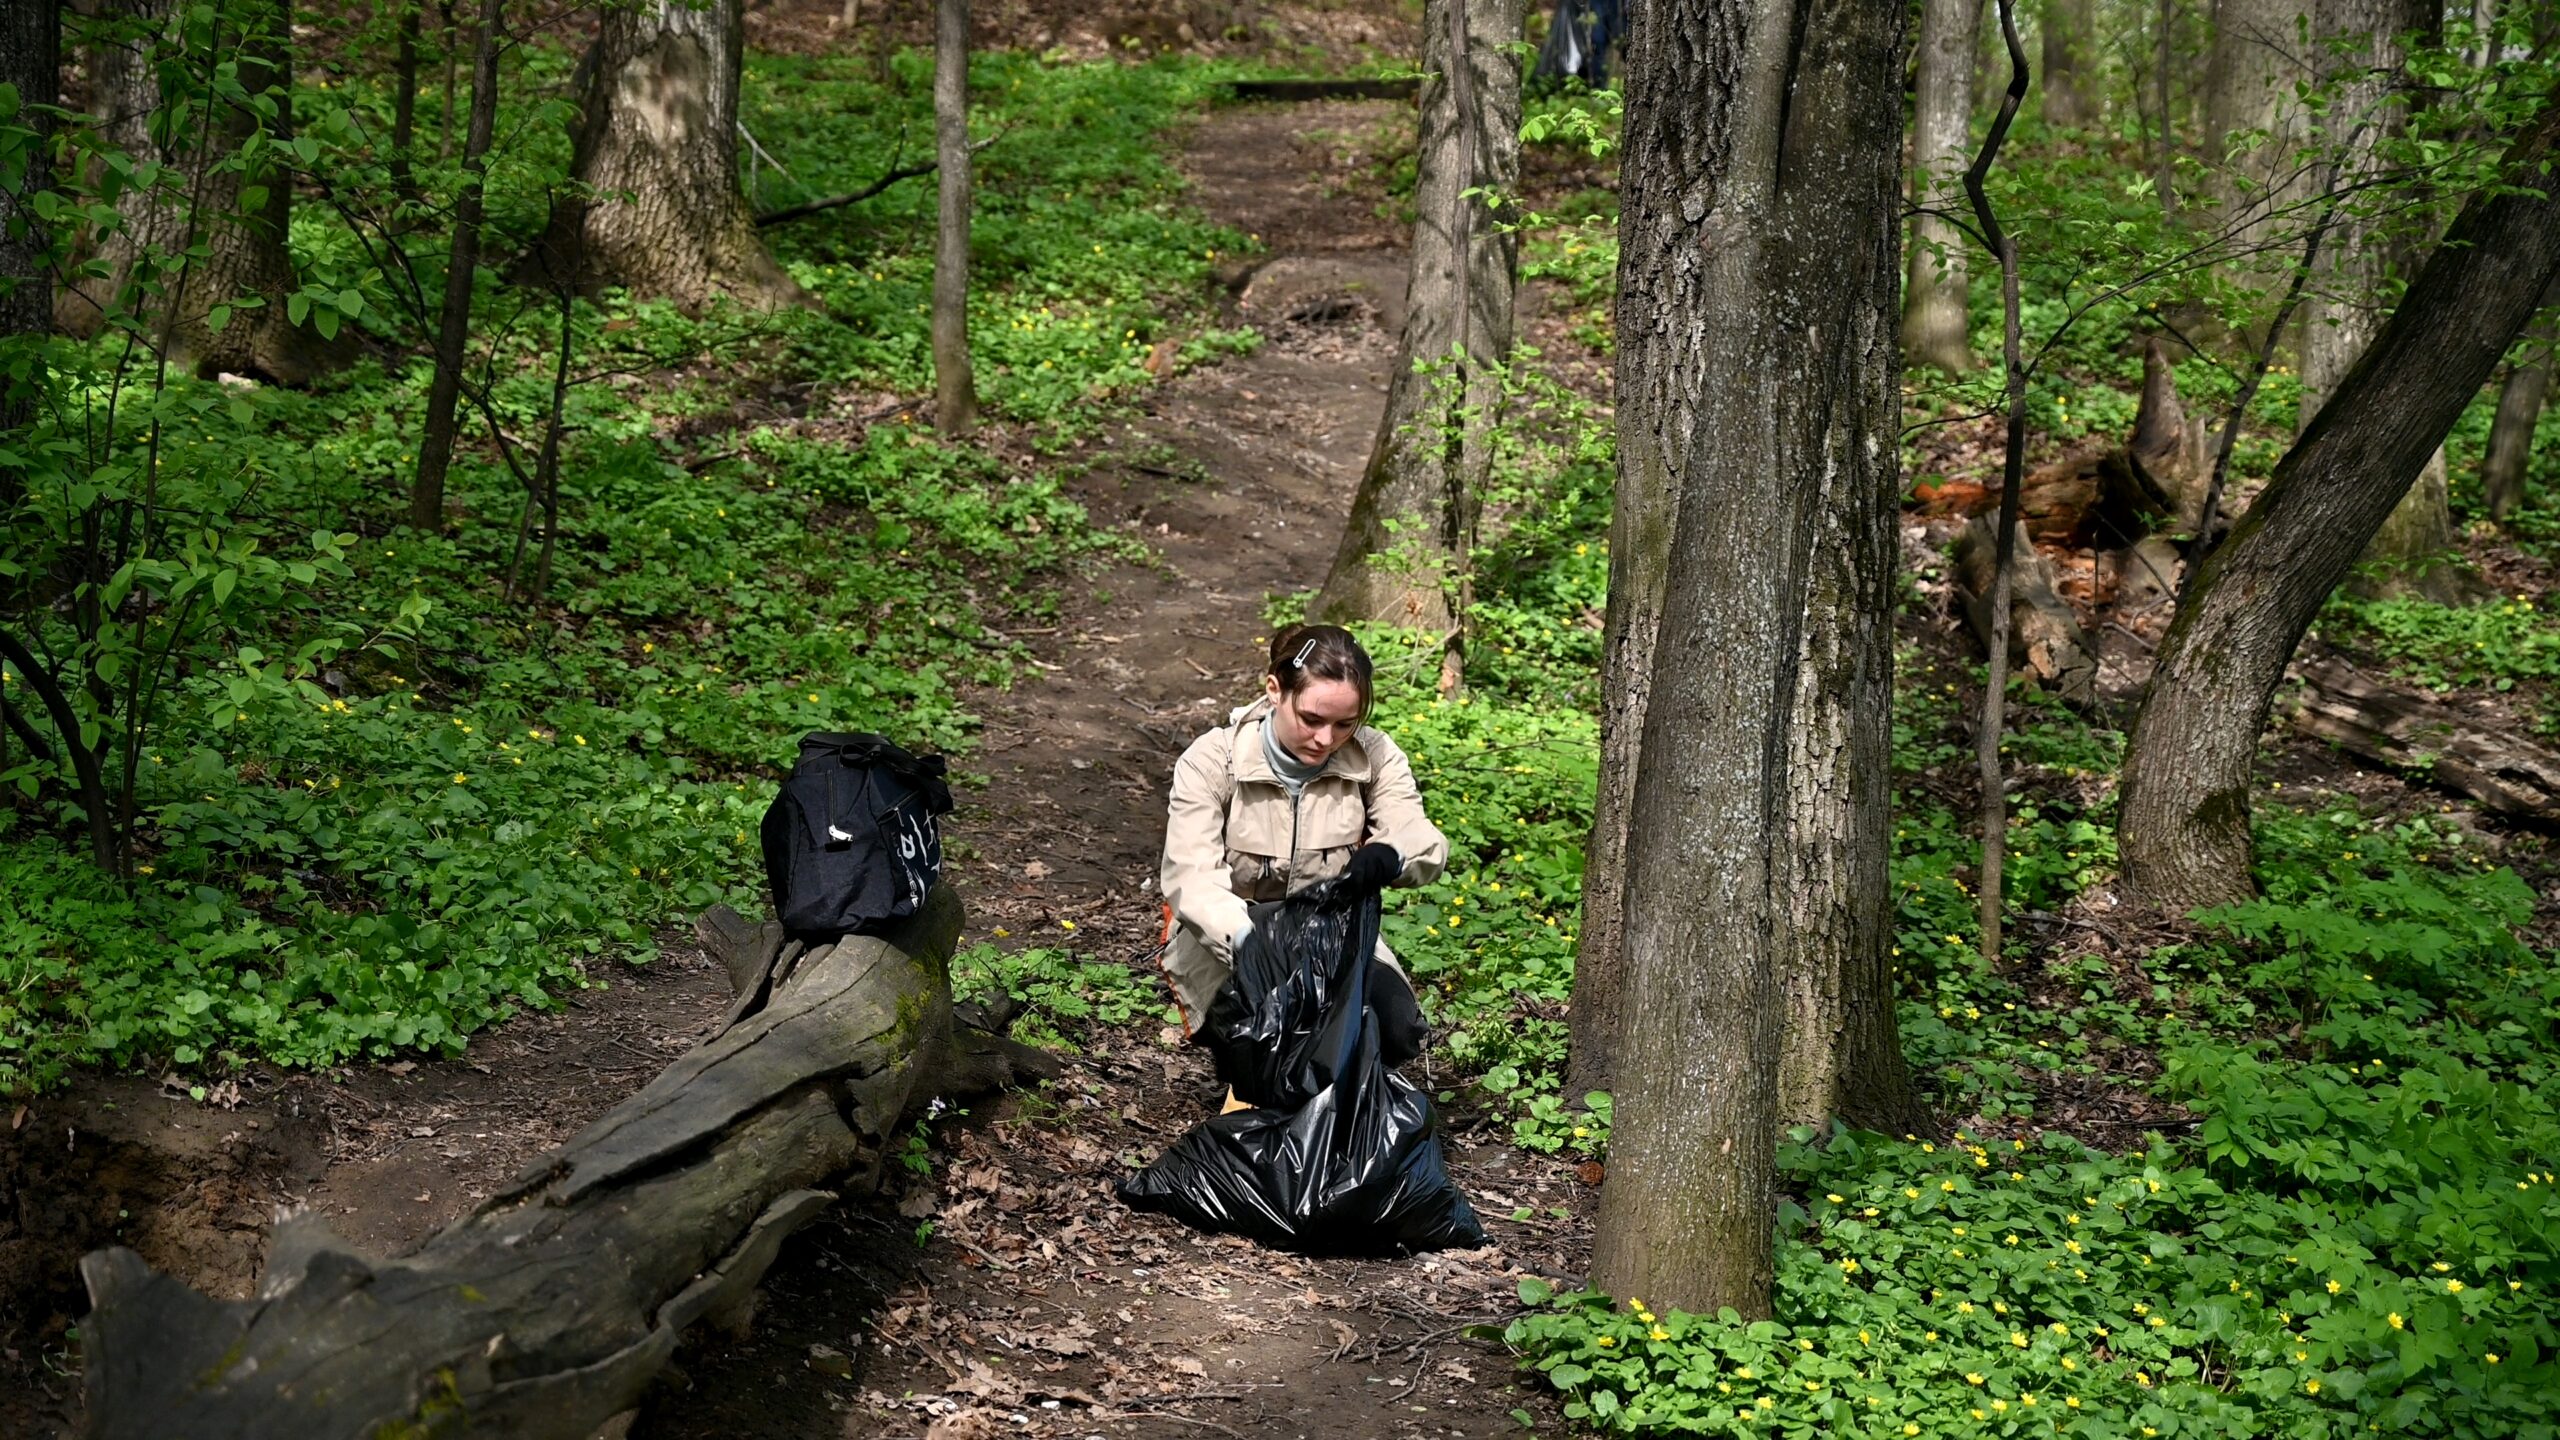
(2004, 248)
(955, 388)
(435, 448)
(404, 102)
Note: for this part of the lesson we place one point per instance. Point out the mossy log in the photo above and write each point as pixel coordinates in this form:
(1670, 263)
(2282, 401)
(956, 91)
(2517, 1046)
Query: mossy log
(546, 1312)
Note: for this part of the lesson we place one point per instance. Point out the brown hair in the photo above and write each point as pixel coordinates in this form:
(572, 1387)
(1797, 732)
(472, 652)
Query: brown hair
(1301, 653)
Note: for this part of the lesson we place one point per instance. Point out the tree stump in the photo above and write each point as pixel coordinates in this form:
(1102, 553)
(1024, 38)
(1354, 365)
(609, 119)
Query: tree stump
(546, 1312)
(2045, 638)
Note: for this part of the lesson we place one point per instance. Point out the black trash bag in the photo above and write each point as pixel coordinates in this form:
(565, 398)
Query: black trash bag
(1567, 50)
(1577, 44)
(1339, 1155)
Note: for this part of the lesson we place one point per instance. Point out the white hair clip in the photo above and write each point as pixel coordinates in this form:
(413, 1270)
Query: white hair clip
(1303, 652)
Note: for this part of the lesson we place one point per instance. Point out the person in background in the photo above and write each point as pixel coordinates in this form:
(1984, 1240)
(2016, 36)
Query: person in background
(1294, 789)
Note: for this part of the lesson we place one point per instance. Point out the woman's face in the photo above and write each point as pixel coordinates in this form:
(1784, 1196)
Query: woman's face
(1316, 721)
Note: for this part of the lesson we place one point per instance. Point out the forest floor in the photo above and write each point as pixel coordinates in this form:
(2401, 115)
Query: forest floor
(1005, 1290)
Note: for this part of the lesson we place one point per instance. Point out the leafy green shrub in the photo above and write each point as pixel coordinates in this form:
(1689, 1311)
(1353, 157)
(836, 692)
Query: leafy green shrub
(2444, 646)
(1067, 997)
(2361, 1231)
(1992, 1287)
(349, 850)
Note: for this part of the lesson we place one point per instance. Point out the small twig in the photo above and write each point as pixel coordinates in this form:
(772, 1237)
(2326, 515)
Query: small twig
(992, 1262)
(2004, 248)
(889, 177)
(765, 155)
(1185, 1419)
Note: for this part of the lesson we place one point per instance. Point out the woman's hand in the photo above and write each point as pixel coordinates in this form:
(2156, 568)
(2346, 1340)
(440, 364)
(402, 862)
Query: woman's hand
(1373, 868)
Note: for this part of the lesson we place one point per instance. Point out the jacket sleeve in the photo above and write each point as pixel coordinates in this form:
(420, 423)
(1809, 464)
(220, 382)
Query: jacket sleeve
(1194, 873)
(1395, 813)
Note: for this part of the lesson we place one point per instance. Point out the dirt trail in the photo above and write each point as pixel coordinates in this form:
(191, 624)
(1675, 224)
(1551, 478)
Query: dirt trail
(1038, 1306)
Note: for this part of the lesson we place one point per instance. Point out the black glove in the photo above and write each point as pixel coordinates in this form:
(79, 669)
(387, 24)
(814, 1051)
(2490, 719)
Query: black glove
(1373, 868)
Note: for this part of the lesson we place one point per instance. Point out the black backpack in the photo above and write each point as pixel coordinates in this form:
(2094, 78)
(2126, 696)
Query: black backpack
(850, 843)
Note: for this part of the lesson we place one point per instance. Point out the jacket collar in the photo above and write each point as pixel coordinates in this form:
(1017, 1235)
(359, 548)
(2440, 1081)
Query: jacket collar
(1351, 762)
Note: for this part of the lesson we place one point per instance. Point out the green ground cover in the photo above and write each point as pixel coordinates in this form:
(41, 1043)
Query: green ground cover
(379, 804)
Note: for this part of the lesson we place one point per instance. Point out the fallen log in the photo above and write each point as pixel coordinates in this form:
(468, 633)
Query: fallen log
(545, 1313)
(2423, 737)
(2045, 638)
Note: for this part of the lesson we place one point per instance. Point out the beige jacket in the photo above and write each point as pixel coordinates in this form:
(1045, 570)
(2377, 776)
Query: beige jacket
(1232, 837)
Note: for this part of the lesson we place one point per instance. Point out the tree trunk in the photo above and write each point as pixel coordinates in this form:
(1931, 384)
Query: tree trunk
(657, 157)
(1935, 328)
(146, 277)
(462, 268)
(2510, 455)
(2257, 57)
(955, 389)
(1768, 137)
(2044, 638)
(2356, 44)
(29, 61)
(2484, 15)
(2070, 53)
(1842, 1056)
(2435, 743)
(1404, 546)
(2414, 555)
(544, 1314)
(404, 101)
(1661, 365)
(2164, 160)
(2183, 835)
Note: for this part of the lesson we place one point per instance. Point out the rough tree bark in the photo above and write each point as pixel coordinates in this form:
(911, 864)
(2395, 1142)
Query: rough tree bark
(657, 157)
(544, 1314)
(955, 387)
(2183, 835)
(1935, 326)
(1404, 546)
(462, 270)
(2070, 51)
(1770, 145)
(1661, 366)
(2520, 400)
(138, 275)
(1841, 1056)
